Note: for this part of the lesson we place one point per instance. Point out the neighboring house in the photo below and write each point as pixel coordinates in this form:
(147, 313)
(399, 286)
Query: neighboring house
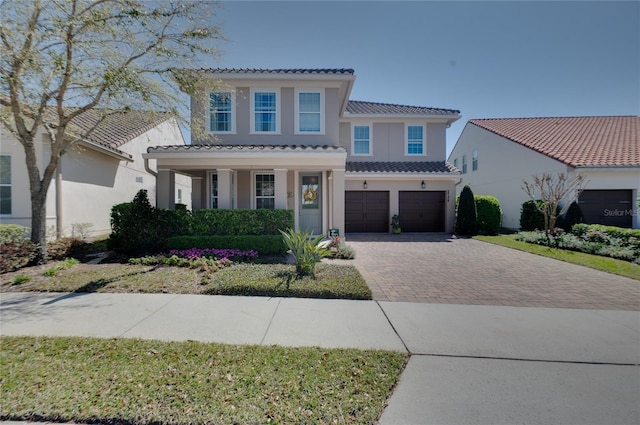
(97, 173)
(496, 155)
(291, 138)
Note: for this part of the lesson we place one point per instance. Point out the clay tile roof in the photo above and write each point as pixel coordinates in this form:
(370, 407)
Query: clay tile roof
(368, 108)
(576, 141)
(400, 167)
(117, 128)
(246, 148)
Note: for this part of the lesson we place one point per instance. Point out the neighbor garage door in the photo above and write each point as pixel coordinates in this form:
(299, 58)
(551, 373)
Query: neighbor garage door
(610, 207)
(422, 211)
(366, 211)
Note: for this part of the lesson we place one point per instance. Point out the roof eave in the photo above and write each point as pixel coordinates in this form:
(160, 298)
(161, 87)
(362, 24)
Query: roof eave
(113, 153)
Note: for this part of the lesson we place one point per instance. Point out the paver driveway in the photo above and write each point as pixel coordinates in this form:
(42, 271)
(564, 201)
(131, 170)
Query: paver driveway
(439, 268)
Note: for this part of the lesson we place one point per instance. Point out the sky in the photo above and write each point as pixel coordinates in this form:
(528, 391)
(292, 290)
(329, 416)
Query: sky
(486, 59)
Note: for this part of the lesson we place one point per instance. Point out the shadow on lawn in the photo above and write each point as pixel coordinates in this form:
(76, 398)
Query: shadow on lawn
(96, 285)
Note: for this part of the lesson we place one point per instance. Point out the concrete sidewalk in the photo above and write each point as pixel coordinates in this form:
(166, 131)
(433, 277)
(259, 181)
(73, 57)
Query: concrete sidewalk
(468, 365)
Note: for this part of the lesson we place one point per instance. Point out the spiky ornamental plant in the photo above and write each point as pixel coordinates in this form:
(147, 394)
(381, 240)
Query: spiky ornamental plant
(467, 215)
(64, 58)
(306, 251)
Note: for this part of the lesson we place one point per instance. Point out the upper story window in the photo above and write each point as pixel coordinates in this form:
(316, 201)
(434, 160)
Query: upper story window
(221, 112)
(415, 140)
(5, 184)
(265, 106)
(464, 164)
(265, 195)
(474, 160)
(309, 107)
(361, 140)
(455, 162)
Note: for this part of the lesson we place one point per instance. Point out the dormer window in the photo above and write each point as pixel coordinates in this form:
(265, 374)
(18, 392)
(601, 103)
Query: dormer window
(265, 106)
(221, 112)
(309, 116)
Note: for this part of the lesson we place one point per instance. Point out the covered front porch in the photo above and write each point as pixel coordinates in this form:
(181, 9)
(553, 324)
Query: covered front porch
(306, 179)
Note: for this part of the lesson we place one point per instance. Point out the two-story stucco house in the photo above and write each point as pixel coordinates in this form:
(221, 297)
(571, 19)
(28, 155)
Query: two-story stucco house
(496, 155)
(104, 169)
(291, 138)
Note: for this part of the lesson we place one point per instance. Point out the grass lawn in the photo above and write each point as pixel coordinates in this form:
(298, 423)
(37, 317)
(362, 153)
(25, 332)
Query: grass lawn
(140, 382)
(610, 265)
(332, 280)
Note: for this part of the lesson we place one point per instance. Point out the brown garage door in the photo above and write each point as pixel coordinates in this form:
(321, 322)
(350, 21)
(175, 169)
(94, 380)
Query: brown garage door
(366, 211)
(610, 207)
(422, 211)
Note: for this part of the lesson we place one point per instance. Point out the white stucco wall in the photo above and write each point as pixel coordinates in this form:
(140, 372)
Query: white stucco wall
(92, 181)
(503, 165)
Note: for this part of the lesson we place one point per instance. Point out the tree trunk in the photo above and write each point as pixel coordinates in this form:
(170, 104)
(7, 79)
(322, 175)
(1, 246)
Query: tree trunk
(39, 224)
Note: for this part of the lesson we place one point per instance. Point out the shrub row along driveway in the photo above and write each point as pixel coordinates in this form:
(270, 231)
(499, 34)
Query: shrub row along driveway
(438, 268)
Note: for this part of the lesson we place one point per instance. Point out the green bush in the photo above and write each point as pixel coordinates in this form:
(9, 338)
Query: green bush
(240, 222)
(530, 218)
(16, 250)
(307, 252)
(63, 248)
(265, 244)
(136, 228)
(572, 217)
(12, 233)
(626, 237)
(466, 214)
(489, 214)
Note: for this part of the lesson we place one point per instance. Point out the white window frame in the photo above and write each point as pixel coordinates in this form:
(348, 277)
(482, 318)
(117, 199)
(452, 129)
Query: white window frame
(455, 162)
(9, 185)
(254, 188)
(353, 139)
(464, 164)
(210, 189)
(277, 130)
(232, 129)
(474, 160)
(298, 91)
(424, 140)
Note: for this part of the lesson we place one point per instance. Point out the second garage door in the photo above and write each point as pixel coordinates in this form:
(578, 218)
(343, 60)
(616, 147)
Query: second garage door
(366, 211)
(609, 207)
(422, 211)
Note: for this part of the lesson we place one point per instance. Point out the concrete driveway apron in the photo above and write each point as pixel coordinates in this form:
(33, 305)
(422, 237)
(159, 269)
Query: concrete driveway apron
(439, 268)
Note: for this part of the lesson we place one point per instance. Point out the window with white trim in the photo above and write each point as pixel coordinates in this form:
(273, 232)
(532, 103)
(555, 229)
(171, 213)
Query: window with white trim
(265, 195)
(5, 184)
(415, 140)
(455, 162)
(214, 190)
(474, 160)
(265, 109)
(221, 112)
(361, 140)
(464, 164)
(309, 112)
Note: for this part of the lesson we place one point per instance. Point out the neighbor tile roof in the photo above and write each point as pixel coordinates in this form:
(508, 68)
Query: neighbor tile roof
(400, 167)
(575, 141)
(247, 148)
(339, 71)
(374, 108)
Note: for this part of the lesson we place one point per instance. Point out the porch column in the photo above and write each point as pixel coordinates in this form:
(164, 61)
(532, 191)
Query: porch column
(337, 196)
(166, 189)
(280, 181)
(224, 188)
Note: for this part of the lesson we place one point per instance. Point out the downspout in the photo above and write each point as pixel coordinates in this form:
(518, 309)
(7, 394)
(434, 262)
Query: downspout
(148, 169)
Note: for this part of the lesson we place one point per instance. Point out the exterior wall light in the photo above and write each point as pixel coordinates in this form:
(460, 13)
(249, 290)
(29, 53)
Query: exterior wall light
(423, 185)
(364, 185)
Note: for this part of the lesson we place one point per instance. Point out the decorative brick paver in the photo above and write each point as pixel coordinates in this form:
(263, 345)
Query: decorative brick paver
(437, 268)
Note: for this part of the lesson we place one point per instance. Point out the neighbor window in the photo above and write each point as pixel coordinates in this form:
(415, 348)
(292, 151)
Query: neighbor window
(221, 112)
(474, 160)
(214, 191)
(265, 112)
(309, 112)
(265, 191)
(455, 162)
(464, 164)
(415, 140)
(5, 184)
(361, 140)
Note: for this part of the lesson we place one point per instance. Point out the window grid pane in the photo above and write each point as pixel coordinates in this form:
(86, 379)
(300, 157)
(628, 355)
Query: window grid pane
(265, 191)
(5, 184)
(220, 107)
(361, 140)
(265, 111)
(214, 191)
(415, 140)
(309, 111)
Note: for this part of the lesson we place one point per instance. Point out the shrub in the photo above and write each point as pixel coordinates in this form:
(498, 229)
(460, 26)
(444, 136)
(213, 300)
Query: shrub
(240, 222)
(265, 245)
(307, 252)
(16, 250)
(530, 218)
(136, 228)
(572, 217)
(62, 248)
(345, 252)
(489, 214)
(12, 233)
(467, 215)
(20, 279)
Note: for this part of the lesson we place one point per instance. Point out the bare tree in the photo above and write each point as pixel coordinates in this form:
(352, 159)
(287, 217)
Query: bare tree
(63, 58)
(552, 191)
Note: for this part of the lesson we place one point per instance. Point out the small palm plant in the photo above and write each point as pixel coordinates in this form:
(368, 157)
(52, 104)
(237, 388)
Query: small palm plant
(305, 250)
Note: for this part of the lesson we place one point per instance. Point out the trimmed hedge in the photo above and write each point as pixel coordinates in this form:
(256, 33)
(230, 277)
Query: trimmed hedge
(489, 214)
(629, 237)
(241, 222)
(264, 244)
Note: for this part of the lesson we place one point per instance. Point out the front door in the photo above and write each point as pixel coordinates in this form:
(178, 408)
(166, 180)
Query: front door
(311, 202)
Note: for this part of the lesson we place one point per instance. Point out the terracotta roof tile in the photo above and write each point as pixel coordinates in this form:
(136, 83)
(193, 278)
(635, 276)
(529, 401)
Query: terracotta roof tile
(400, 167)
(247, 148)
(576, 141)
(375, 108)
